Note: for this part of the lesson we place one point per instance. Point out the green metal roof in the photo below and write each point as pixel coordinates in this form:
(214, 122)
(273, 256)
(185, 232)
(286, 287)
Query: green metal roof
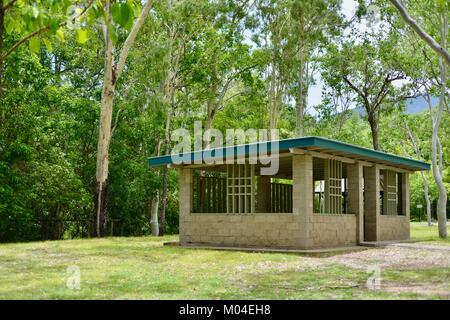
(319, 143)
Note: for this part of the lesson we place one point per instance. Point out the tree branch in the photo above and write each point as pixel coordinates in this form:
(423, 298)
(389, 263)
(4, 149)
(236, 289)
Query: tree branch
(420, 32)
(433, 72)
(131, 37)
(40, 31)
(384, 89)
(20, 42)
(356, 89)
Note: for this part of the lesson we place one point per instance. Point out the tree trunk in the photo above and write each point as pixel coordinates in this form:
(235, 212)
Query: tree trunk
(211, 103)
(165, 177)
(104, 138)
(162, 208)
(208, 126)
(154, 215)
(273, 112)
(111, 73)
(274, 93)
(373, 121)
(424, 177)
(165, 184)
(427, 197)
(300, 100)
(440, 49)
(437, 173)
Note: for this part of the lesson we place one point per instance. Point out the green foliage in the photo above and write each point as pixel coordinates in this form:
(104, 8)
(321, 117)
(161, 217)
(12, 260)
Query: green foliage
(39, 179)
(189, 55)
(38, 21)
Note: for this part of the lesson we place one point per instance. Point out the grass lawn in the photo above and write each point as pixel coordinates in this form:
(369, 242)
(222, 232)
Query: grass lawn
(141, 268)
(422, 232)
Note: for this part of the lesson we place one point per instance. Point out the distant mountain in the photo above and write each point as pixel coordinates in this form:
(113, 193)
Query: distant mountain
(413, 105)
(419, 104)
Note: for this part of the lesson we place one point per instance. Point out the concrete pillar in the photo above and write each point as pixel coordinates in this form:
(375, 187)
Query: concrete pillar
(372, 203)
(302, 197)
(185, 189)
(405, 198)
(355, 199)
(263, 194)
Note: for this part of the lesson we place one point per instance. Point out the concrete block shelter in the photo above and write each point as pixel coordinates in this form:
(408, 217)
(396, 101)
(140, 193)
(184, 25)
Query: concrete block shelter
(325, 194)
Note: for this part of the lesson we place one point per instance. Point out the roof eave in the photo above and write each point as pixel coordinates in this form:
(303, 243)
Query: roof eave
(304, 142)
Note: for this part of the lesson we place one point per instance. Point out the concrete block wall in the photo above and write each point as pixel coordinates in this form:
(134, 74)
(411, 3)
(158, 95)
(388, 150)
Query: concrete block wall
(258, 230)
(281, 230)
(394, 228)
(397, 227)
(334, 230)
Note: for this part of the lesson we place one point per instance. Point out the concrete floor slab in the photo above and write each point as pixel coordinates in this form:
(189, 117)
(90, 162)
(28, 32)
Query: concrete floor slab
(268, 250)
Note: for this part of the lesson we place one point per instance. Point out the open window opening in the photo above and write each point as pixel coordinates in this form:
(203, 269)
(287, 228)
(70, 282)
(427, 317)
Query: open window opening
(209, 191)
(330, 186)
(390, 192)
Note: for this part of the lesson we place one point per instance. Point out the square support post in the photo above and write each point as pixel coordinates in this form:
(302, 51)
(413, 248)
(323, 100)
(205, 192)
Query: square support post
(263, 194)
(302, 202)
(356, 197)
(405, 199)
(372, 203)
(185, 190)
(405, 194)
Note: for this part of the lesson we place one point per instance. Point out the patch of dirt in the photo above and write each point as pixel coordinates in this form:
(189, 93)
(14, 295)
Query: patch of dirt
(394, 257)
(302, 264)
(435, 289)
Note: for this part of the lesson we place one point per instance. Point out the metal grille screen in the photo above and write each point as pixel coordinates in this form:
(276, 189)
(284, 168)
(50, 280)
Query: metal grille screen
(240, 188)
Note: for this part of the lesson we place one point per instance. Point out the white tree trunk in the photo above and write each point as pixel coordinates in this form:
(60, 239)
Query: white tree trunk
(154, 215)
(424, 177)
(440, 49)
(104, 130)
(299, 103)
(111, 73)
(427, 197)
(436, 151)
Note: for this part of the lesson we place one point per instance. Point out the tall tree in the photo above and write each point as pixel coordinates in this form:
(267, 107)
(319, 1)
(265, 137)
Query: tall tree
(275, 27)
(369, 63)
(430, 73)
(122, 14)
(437, 164)
(218, 59)
(312, 22)
(424, 177)
(421, 32)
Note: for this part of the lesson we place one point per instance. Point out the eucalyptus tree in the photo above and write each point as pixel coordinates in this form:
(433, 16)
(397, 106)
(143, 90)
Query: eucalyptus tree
(439, 48)
(312, 24)
(431, 74)
(443, 101)
(166, 39)
(218, 58)
(117, 19)
(166, 79)
(370, 64)
(292, 32)
(273, 17)
(418, 154)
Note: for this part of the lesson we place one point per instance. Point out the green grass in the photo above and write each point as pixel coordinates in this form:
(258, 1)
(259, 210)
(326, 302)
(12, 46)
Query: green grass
(420, 231)
(142, 268)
